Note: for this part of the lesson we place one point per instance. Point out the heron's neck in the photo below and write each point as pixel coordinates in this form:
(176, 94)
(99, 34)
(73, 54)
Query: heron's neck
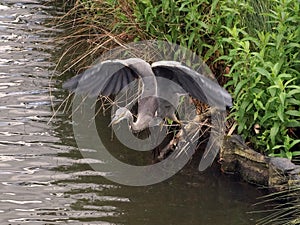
(140, 124)
(133, 126)
(148, 78)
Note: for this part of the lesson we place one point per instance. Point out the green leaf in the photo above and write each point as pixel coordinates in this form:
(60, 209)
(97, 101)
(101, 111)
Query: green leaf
(293, 92)
(168, 38)
(169, 121)
(296, 153)
(294, 86)
(280, 113)
(242, 108)
(285, 75)
(237, 64)
(202, 24)
(249, 107)
(289, 81)
(260, 104)
(255, 115)
(277, 68)
(279, 83)
(272, 90)
(289, 155)
(146, 2)
(277, 147)
(293, 45)
(273, 132)
(292, 123)
(224, 57)
(293, 101)
(294, 143)
(258, 78)
(239, 86)
(191, 39)
(282, 97)
(262, 71)
(267, 116)
(293, 112)
(241, 126)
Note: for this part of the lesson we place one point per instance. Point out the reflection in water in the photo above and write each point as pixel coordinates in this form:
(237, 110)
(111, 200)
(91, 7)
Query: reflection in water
(43, 178)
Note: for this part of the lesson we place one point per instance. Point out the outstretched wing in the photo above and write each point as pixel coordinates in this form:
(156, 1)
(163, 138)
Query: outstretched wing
(194, 83)
(205, 90)
(105, 78)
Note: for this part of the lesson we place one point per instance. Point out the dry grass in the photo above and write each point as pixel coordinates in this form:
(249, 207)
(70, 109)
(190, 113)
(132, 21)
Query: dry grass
(92, 28)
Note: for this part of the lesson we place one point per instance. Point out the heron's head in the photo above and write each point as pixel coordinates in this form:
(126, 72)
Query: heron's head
(121, 114)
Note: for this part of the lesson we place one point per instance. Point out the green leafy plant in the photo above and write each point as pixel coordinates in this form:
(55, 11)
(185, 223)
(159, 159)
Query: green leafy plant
(192, 24)
(266, 78)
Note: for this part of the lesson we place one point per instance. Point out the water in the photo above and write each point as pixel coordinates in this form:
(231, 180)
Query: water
(43, 178)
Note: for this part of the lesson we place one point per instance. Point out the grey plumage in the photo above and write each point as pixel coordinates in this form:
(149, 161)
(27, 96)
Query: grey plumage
(109, 77)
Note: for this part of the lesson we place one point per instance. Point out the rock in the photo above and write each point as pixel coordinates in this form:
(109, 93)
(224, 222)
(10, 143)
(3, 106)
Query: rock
(282, 164)
(275, 173)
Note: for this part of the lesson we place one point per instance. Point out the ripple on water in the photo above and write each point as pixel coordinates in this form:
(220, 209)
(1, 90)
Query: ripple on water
(28, 145)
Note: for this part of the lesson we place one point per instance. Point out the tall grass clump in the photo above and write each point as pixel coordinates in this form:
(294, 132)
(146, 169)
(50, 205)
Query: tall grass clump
(92, 27)
(265, 74)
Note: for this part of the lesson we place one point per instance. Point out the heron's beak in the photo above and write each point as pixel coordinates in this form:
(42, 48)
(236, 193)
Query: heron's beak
(115, 120)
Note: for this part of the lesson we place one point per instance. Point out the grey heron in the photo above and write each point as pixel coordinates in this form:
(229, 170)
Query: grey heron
(109, 77)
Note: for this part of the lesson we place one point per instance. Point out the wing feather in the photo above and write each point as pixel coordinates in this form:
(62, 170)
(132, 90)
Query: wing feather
(196, 84)
(105, 78)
